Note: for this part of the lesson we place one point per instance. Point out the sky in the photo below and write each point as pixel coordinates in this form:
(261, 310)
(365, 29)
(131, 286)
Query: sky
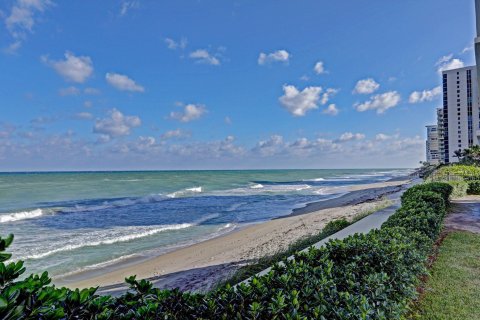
(177, 84)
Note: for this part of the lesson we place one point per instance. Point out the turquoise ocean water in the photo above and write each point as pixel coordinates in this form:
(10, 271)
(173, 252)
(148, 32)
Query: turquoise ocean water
(75, 221)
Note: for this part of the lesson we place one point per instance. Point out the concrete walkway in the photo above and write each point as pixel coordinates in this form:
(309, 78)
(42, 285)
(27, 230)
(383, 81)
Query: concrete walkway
(373, 221)
(464, 215)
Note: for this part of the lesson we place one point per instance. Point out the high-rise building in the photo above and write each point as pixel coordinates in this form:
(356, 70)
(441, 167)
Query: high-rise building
(458, 120)
(432, 145)
(461, 112)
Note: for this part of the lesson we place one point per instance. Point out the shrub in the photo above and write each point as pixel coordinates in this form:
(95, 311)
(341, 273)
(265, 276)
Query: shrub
(335, 226)
(442, 188)
(364, 276)
(459, 188)
(473, 187)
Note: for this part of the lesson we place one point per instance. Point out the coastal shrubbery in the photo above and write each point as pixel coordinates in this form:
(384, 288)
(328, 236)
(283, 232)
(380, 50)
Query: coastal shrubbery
(365, 276)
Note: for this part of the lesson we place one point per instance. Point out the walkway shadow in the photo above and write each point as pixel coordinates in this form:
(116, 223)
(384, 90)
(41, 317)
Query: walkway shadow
(193, 280)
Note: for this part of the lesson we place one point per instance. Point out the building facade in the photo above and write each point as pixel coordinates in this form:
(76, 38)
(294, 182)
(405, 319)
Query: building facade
(459, 119)
(432, 145)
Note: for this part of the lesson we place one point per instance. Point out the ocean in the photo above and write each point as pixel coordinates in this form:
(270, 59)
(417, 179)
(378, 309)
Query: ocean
(69, 222)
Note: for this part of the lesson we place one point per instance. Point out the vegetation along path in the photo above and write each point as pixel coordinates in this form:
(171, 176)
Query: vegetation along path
(453, 289)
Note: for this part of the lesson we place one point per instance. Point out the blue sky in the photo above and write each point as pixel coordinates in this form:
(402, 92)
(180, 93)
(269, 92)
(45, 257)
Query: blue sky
(146, 84)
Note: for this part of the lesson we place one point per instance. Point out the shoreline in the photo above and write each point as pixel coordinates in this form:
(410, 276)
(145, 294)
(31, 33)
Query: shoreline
(200, 266)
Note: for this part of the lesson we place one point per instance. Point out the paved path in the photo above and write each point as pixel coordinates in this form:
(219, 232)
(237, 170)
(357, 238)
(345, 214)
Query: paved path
(465, 215)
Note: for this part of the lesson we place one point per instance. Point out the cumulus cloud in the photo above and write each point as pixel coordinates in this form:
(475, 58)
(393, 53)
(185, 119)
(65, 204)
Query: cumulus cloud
(190, 112)
(349, 136)
(174, 45)
(332, 110)
(297, 102)
(448, 62)
(270, 146)
(116, 125)
(123, 83)
(382, 137)
(73, 68)
(425, 95)
(22, 18)
(203, 56)
(380, 102)
(327, 95)
(127, 6)
(178, 133)
(319, 68)
(277, 56)
(69, 91)
(366, 86)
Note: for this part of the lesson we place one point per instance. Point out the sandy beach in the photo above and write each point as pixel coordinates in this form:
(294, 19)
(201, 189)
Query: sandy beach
(202, 265)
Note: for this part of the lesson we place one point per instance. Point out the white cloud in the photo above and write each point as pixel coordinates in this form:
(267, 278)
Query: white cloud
(116, 125)
(382, 137)
(269, 147)
(178, 133)
(327, 95)
(88, 104)
(123, 83)
(73, 68)
(380, 102)
(319, 68)
(349, 136)
(228, 121)
(190, 112)
(203, 56)
(84, 116)
(332, 110)
(277, 56)
(448, 63)
(173, 45)
(22, 19)
(425, 95)
(298, 103)
(70, 91)
(13, 47)
(467, 49)
(127, 6)
(366, 86)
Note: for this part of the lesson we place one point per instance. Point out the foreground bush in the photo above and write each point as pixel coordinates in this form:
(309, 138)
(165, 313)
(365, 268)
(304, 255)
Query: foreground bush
(370, 276)
(473, 187)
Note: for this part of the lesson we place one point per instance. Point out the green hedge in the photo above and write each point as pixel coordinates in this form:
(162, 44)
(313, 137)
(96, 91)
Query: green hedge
(473, 187)
(365, 276)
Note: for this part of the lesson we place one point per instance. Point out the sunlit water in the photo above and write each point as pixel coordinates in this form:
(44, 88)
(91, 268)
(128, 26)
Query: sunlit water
(69, 222)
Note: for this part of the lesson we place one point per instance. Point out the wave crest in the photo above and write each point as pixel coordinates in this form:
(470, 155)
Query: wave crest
(23, 215)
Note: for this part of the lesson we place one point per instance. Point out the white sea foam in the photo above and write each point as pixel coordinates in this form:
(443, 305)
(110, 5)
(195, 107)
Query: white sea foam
(116, 203)
(185, 192)
(112, 236)
(107, 237)
(23, 215)
(235, 206)
(316, 179)
(257, 186)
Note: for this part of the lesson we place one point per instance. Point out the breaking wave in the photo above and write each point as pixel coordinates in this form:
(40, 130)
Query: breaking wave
(23, 215)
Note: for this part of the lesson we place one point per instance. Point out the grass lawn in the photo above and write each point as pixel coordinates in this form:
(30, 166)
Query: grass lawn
(453, 289)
